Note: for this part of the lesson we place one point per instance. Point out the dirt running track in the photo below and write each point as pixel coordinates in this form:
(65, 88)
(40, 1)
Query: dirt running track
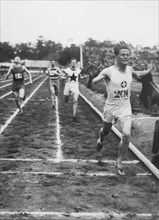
(51, 183)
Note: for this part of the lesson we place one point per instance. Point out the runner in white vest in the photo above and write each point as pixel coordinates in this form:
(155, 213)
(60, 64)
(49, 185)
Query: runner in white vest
(72, 85)
(117, 108)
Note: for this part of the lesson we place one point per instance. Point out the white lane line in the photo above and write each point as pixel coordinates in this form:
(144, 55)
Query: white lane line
(144, 117)
(84, 215)
(3, 96)
(90, 174)
(17, 110)
(156, 88)
(59, 155)
(1, 87)
(132, 147)
(5, 80)
(66, 160)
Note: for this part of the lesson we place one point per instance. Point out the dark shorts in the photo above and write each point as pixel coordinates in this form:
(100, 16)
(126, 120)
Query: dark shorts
(17, 86)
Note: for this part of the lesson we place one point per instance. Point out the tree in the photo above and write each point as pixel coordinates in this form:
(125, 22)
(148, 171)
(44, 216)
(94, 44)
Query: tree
(7, 52)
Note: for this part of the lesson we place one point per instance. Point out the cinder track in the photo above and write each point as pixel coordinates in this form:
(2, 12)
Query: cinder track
(39, 181)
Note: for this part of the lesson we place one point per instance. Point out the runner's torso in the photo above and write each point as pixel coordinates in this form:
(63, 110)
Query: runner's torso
(118, 86)
(72, 75)
(18, 74)
(54, 73)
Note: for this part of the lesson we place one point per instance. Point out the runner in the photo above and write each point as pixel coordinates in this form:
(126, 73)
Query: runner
(117, 108)
(53, 73)
(18, 86)
(72, 85)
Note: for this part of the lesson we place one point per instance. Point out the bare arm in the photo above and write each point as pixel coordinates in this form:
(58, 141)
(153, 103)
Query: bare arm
(29, 74)
(8, 73)
(47, 72)
(102, 75)
(64, 74)
(139, 74)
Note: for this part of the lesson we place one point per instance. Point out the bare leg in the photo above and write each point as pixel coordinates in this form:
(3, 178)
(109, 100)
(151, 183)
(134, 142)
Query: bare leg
(75, 103)
(104, 131)
(52, 89)
(16, 96)
(125, 124)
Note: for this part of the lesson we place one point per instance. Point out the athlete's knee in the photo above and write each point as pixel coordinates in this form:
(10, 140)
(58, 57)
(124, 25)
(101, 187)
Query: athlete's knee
(126, 137)
(75, 101)
(52, 91)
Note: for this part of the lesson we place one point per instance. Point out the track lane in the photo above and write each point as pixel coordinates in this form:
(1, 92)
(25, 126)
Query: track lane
(83, 187)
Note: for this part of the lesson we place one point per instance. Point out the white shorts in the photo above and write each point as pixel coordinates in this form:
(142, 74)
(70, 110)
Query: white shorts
(112, 113)
(71, 89)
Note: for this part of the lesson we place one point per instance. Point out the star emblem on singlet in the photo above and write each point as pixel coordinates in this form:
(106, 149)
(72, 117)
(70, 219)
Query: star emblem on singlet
(73, 77)
(123, 84)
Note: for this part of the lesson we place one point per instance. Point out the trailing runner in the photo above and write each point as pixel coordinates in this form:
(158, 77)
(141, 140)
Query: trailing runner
(54, 74)
(72, 74)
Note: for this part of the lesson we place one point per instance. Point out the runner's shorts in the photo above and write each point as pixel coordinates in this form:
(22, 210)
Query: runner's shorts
(71, 89)
(17, 86)
(112, 113)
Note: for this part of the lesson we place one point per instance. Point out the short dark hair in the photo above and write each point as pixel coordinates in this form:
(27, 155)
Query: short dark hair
(119, 46)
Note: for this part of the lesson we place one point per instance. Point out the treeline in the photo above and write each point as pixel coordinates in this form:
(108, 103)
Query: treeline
(49, 50)
(40, 50)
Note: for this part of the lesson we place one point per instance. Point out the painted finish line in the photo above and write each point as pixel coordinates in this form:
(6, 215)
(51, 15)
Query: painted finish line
(90, 174)
(85, 215)
(67, 160)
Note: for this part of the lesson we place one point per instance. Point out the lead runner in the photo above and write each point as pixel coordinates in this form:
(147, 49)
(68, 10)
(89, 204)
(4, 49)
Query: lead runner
(117, 108)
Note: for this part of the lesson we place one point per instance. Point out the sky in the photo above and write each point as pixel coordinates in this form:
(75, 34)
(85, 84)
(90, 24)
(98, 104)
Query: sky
(67, 22)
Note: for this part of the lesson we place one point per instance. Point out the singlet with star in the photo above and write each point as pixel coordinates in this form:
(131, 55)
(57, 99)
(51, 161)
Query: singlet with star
(118, 87)
(72, 75)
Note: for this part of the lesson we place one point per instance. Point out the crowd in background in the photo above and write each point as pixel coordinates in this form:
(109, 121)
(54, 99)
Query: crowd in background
(104, 57)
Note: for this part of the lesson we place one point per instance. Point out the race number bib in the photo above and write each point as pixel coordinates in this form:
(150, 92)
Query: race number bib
(121, 94)
(18, 75)
(53, 73)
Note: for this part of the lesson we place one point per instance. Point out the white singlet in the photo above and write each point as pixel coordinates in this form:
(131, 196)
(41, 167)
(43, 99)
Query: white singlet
(118, 94)
(71, 85)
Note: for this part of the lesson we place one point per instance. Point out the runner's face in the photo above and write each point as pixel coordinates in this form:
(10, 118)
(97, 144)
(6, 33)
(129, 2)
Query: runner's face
(73, 64)
(123, 57)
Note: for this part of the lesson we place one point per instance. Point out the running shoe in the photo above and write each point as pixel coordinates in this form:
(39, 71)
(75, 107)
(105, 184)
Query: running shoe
(120, 170)
(20, 112)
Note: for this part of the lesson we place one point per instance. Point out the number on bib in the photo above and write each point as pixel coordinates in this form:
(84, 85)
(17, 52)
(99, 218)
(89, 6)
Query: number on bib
(53, 73)
(18, 76)
(121, 94)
